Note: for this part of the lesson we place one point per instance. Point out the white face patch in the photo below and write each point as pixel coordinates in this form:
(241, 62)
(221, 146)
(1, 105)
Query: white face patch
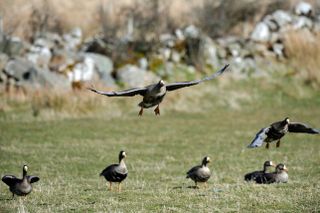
(25, 168)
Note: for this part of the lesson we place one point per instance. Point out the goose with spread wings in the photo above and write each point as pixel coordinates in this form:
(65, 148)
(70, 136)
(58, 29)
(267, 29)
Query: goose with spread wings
(154, 93)
(277, 130)
(20, 187)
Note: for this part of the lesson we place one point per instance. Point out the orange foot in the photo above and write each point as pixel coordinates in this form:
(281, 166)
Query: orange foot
(157, 110)
(141, 112)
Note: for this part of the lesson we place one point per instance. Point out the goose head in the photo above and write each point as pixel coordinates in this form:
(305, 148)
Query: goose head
(25, 170)
(267, 164)
(281, 167)
(122, 155)
(286, 120)
(161, 83)
(206, 160)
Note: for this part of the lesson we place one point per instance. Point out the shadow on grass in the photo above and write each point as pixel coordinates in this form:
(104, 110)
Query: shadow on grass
(188, 187)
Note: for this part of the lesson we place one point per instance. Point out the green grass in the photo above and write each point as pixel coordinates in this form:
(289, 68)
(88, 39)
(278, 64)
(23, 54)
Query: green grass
(69, 152)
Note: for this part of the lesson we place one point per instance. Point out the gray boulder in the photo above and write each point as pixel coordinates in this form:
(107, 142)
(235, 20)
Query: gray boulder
(272, 24)
(133, 76)
(191, 32)
(282, 18)
(209, 52)
(40, 53)
(27, 75)
(167, 40)
(278, 49)
(234, 49)
(11, 46)
(302, 22)
(73, 39)
(261, 33)
(303, 9)
(104, 68)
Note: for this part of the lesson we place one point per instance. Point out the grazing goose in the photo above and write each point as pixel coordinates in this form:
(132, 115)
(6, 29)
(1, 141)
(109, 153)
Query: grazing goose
(20, 187)
(116, 172)
(279, 176)
(277, 130)
(154, 93)
(200, 173)
(253, 175)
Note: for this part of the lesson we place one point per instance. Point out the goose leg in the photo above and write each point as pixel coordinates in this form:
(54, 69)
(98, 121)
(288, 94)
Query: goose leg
(119, 187)
(12, 196)
(196, 186)
(141, 111)
(267, 146)
(157, 110)
(110, 186)
(278, 144)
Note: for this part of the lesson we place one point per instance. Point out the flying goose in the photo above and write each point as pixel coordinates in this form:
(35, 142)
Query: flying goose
(154, 93)
(253, 175)
(116, 172)
(20, 187)
(200, 173)
(277, 130)
(279, 176)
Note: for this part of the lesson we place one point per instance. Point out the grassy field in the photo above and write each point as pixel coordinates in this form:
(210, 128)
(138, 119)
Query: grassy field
(68, 153)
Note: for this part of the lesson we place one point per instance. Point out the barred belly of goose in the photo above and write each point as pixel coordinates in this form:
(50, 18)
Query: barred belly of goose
(20, 187)
(154, 93)
(116, 172)
(277, 130)
(200, 173)
(279, 176)
(252, 176)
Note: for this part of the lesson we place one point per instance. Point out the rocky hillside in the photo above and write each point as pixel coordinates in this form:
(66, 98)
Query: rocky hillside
(70, 60)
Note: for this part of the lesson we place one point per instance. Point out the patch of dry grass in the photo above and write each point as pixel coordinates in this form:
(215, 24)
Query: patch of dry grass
(23, 17)
(303, 51)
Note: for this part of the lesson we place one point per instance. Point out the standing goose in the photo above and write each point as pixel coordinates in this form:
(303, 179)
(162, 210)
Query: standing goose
(279, 176)
(277, 130)
(116, 172)
(200, 173)
(20, 187)
(154, 93)
(253, 175)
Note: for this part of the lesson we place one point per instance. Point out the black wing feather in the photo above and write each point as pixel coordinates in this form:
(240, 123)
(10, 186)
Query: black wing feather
(178, 85)
(9, 179)
(301, 128)
(128, 92)
(33, 179)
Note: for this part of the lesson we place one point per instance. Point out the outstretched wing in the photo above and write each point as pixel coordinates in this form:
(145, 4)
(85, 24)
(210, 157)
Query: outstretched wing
(178, 85)
(301, 128)
(128, 92)
(32, 179)
(259, 139)
(9, 179)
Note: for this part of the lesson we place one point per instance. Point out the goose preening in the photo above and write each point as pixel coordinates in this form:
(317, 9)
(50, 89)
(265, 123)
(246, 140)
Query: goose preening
(154, 93)
(279, 176)
(116, 172)
(277, 130)
(253, 175)
(200, 173)
(20, 187)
